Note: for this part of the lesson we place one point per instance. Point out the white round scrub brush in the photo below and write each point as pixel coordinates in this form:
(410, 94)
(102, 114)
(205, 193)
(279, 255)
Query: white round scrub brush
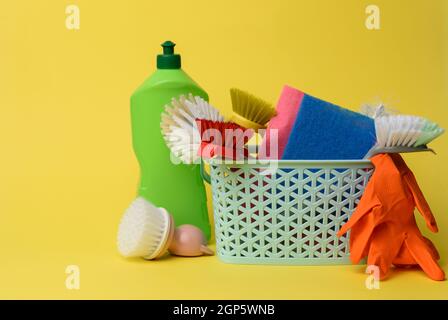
(147, 231)
(179, 126)
(144, 230)
(403, 133)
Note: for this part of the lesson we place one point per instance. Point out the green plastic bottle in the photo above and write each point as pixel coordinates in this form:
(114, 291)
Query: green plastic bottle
(176, 187)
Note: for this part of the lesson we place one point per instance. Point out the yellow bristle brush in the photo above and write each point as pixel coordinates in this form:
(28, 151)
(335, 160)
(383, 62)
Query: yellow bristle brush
(250, 111)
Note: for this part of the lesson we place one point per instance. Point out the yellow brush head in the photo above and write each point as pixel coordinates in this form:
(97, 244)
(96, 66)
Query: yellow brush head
(250, 111)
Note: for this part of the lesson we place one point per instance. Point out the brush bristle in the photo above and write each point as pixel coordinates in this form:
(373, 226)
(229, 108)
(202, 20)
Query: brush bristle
(179, 127)
(251, 107)
(404, 131)
(141, 229)
(230, 134)
(223, 139)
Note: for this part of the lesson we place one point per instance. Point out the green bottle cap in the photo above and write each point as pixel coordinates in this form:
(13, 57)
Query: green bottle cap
(168, 60)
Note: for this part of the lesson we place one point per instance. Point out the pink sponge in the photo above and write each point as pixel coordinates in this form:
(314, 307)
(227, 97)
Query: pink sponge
(287, 109)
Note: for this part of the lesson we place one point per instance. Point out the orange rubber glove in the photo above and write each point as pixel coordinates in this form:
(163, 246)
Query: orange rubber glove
(383, 226)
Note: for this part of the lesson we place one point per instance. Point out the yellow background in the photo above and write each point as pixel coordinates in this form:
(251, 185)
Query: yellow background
(67, 170)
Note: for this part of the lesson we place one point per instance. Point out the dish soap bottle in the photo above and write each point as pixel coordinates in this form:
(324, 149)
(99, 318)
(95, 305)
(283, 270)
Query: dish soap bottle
(176, 187)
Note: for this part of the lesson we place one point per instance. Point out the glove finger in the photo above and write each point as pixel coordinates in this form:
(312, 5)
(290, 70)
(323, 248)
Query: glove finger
(422, 254)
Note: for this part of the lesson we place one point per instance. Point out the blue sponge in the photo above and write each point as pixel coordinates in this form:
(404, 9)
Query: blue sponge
(324, 131)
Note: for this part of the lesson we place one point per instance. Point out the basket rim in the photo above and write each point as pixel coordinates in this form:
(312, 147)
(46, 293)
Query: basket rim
(283, 163)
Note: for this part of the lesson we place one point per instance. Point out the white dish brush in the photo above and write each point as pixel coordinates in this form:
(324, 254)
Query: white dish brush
(144, 230)
(147, 231)
(403, 133)
(179, 127)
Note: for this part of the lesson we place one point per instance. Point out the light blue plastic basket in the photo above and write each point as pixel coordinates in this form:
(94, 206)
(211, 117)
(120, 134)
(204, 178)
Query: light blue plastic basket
(289, 215)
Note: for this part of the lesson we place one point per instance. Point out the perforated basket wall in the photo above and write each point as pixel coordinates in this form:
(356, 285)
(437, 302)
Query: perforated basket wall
(285, 216)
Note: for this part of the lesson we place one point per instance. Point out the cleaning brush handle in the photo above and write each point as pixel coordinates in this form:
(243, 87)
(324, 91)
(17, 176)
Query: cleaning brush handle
(252, 148)
(398, 149)
(204, 173)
